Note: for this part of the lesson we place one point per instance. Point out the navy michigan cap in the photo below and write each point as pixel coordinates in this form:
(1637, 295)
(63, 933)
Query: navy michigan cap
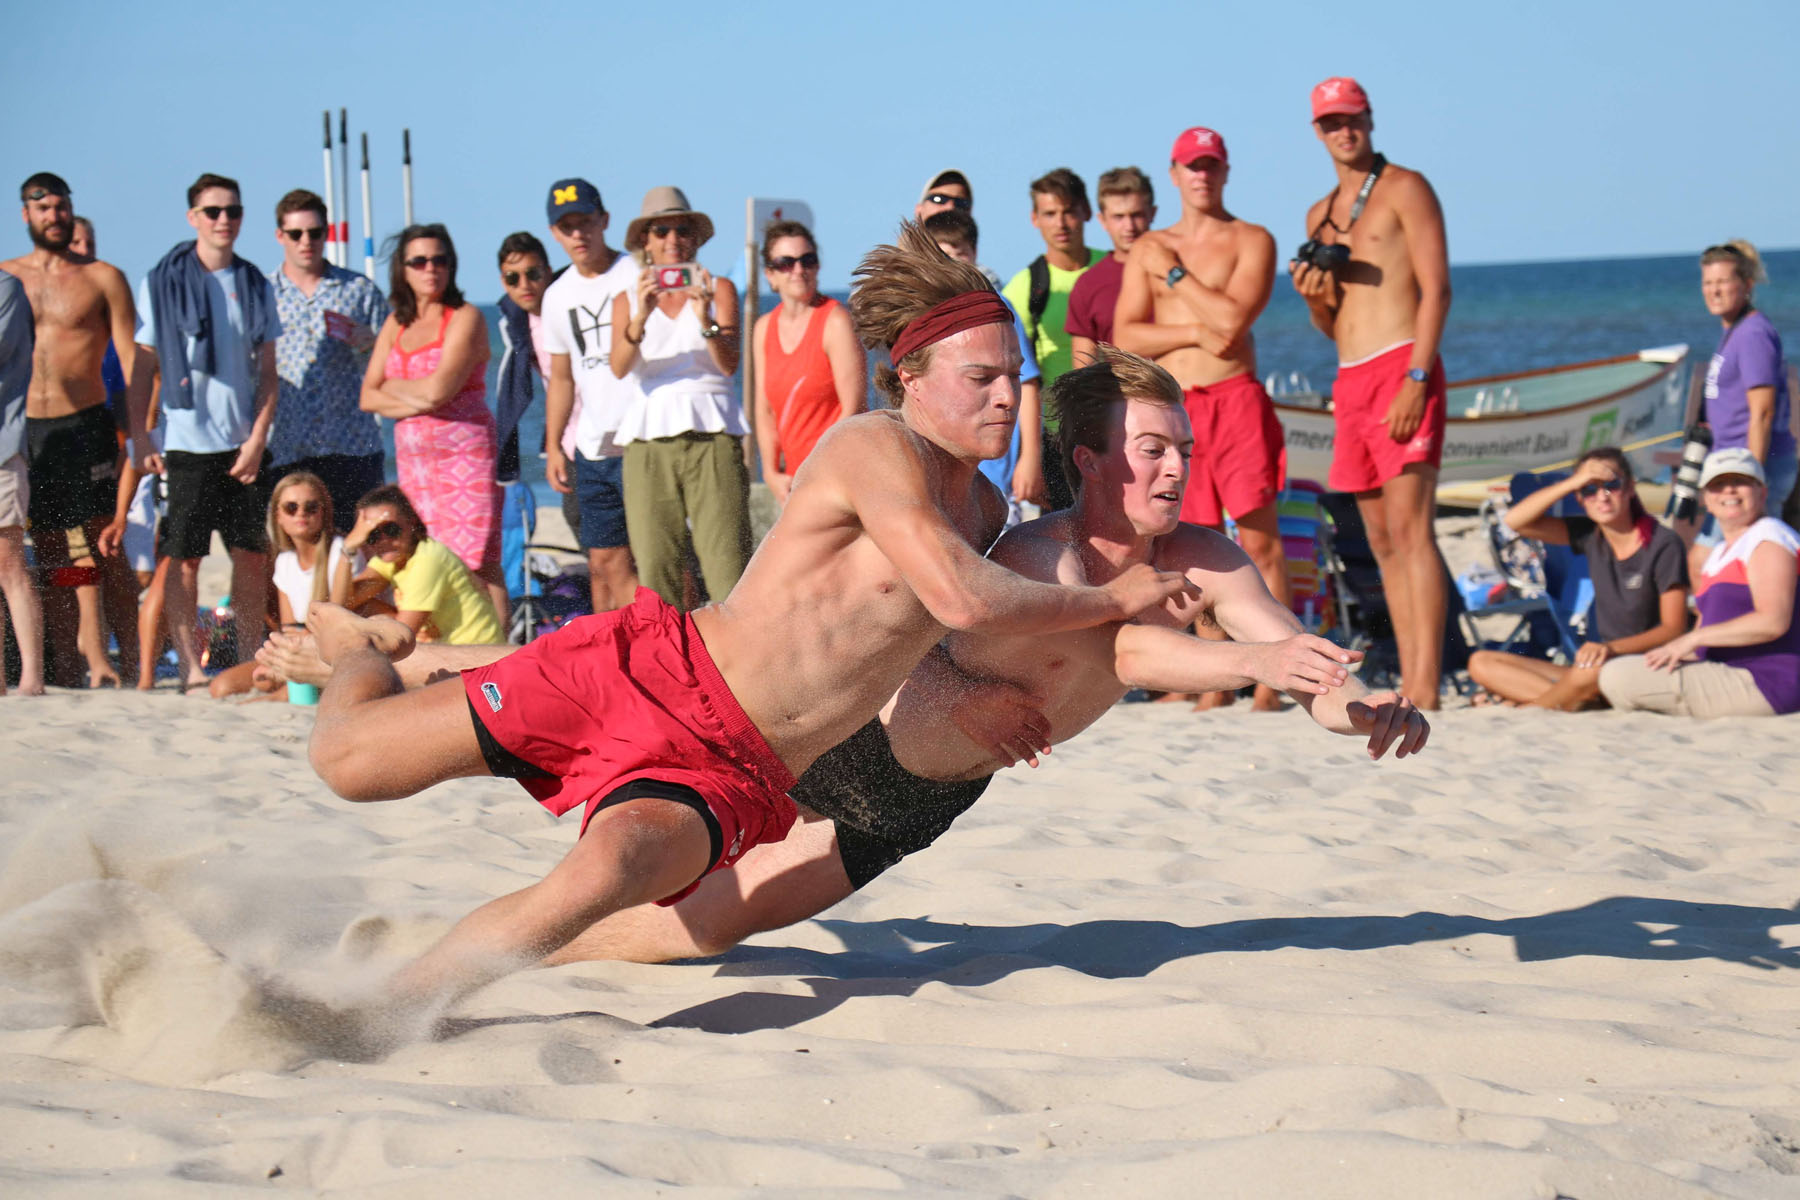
(572, 196)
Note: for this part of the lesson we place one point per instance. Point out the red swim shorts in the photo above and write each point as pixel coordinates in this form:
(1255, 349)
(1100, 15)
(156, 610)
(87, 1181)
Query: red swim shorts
(626, 705)
(1240, 451)
(1365, 456)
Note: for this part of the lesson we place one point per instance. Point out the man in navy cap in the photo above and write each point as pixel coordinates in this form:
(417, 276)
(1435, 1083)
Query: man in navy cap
(584, 402)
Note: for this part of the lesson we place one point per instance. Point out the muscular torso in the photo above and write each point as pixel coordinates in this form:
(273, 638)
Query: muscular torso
(74, 323)
(1379, 297)
(821, 629)
(1071, 674)
(1210, 256)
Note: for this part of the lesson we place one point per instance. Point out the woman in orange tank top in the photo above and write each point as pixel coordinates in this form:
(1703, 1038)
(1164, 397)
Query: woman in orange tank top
(810, 369)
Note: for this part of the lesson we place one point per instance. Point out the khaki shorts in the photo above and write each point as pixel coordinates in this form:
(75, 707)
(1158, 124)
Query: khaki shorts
(15, 492)
(1697, 689)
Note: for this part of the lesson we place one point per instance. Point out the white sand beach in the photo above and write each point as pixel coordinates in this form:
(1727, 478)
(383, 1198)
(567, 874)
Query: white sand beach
(1217, 955)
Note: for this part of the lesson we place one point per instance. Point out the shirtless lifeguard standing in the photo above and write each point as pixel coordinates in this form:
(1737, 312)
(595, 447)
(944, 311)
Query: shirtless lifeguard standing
(680, 735)
(79, 303)
(1375, 275)
(1190, 295)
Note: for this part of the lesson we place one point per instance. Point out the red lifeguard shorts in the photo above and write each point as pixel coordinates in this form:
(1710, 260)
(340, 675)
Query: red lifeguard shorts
(1240, 451)
(627, 705)
(1365, 456)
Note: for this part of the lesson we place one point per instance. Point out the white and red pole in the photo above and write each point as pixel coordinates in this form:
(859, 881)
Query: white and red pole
(343, 183)
(331, 247)
(368, 214)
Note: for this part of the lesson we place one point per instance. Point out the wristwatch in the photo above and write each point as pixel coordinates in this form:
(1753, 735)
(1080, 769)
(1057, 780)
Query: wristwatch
(711, 331)
(1418, 374)
(1177, 273)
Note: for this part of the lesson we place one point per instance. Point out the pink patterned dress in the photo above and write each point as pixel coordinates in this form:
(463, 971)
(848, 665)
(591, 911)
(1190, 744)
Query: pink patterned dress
(447, 458)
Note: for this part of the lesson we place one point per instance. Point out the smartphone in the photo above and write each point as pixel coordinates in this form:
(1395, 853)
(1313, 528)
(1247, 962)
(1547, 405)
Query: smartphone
(676, 276)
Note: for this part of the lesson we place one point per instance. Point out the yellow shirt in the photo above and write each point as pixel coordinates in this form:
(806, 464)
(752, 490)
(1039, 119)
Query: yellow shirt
(435, 581)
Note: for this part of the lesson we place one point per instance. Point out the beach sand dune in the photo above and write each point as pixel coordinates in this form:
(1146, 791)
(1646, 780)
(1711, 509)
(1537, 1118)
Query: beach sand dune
(1221, 955)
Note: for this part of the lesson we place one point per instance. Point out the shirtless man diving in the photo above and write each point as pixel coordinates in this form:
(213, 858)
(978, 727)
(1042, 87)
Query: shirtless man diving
(80, 303)
(681, 734)
(982, 701)
(889, 792)
(1189, 297)
(1385, 308)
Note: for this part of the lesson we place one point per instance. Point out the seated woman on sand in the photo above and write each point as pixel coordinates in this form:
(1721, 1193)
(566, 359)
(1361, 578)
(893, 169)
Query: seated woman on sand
(435, 593)
(1743, 659)
(1640, 579)
(300, 531)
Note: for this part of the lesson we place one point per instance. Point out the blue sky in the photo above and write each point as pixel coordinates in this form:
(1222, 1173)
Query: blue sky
(1550, 131)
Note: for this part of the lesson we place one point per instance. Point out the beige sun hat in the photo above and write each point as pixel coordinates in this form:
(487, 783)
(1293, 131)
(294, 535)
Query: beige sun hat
(666, 202)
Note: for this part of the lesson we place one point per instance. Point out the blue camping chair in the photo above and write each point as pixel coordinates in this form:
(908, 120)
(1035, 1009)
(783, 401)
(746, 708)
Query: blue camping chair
(1547, 586)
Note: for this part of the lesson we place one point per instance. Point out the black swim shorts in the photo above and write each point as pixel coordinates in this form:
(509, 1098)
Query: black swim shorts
(74, 464)
(203, 497)
(882, 811)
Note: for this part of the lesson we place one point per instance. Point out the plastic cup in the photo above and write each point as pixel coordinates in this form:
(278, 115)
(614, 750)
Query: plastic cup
(302, 693)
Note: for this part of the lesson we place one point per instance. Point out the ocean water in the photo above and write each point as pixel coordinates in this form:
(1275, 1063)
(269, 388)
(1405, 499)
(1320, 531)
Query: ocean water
(1503, 318)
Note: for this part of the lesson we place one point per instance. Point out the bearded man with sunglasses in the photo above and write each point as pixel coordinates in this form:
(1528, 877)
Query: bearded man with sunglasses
(79, 304)
(328, 321)
(207, 321)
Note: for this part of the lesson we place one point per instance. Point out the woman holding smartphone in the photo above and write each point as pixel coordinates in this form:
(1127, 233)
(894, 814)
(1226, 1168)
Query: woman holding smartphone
(1640, 575)
(676, 335)
(429, 372)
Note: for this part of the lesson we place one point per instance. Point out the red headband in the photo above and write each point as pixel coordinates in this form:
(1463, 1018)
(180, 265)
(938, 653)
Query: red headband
(967, 311)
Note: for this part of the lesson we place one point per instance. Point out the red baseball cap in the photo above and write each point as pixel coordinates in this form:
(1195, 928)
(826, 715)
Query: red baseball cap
(1198, 142)
(1339, 94)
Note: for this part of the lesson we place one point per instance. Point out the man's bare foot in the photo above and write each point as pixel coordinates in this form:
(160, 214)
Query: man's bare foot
(1212, 700)
(294, 656)
(101, 675)
(197, 682)
(336, 631)
(33, 687)
(1176, 697)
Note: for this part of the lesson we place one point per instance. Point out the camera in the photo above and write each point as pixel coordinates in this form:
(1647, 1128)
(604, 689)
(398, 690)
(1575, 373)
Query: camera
(1686, 484)
(1327, 256)
(675, 278)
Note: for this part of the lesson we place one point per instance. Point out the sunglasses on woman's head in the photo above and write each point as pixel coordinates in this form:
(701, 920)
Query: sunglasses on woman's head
(534, 274)
(295, 507)
(677, 230)
(959, 203)
(1588, 491)
(787, 262)
(212, 211)
(387, 531)
(419, 262)
(315, 233)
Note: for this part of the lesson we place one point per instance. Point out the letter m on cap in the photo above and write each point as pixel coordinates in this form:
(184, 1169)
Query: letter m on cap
(565, 195)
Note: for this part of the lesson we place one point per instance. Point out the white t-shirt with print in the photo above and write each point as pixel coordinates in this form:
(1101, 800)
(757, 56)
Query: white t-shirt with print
(577, 321)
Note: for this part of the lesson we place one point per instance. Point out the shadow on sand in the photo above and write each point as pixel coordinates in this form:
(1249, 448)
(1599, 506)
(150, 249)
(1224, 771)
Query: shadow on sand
(894, 958)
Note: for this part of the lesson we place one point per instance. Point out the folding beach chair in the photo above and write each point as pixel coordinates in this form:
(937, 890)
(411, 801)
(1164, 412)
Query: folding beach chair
(544, 596)
(1547, 586)
(1362, 611)
(1302, 523)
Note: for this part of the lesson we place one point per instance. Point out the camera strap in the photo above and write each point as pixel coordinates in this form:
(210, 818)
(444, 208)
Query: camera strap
(1362, 198)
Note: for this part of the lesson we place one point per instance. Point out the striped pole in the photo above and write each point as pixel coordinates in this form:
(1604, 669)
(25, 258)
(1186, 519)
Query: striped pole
(331, 247)
(368, 215)
(406, 173)
(343, 187)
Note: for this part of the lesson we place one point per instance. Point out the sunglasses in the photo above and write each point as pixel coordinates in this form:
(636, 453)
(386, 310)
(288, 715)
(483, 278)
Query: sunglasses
(38, 193)
(787, 262)
(534, 274)
(678, 230)
(315, 233)
(311, 508)
(234, 212)
(387, 531)
(1588, 491)
(419, 262)
(960, 203)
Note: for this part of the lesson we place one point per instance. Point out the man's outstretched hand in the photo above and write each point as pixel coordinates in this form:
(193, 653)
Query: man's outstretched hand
(1390, 720)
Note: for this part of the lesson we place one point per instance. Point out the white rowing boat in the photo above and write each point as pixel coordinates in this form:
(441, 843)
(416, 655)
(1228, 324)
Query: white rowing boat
(1502, 424)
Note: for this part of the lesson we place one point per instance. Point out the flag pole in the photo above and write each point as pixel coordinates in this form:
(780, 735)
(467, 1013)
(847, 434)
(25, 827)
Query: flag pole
(343, 183)
(406, 173)
(368, 214)
(331, 248)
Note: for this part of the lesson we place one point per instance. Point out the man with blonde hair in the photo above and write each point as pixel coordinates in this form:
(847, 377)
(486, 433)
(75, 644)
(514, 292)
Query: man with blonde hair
(1127, 210)
(679, 735)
